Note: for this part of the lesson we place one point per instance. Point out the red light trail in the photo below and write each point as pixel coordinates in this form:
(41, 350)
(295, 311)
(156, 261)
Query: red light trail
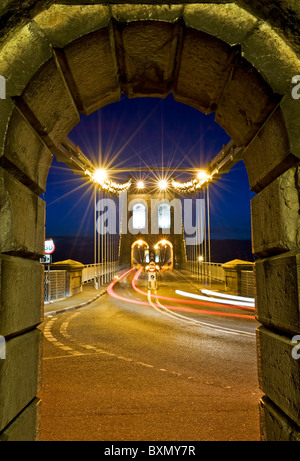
(184, 301)
(111, 292)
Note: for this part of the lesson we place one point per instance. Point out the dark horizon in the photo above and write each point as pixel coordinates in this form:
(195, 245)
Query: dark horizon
(81, 249)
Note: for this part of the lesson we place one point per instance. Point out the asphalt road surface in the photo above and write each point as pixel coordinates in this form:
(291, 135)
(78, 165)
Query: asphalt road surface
(134, 367)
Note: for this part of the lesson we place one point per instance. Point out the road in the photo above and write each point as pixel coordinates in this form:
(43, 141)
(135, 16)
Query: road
(130, 367)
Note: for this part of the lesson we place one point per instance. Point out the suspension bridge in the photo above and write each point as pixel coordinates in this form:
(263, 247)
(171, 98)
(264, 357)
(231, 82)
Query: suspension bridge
(152, 218)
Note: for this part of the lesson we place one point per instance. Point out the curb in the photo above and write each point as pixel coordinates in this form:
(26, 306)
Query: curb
(78, 306)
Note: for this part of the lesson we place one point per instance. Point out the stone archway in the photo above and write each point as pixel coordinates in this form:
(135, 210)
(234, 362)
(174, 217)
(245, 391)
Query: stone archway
(63, 59)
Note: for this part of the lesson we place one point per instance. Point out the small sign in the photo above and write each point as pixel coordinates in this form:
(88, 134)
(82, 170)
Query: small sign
(47, 259)
(49, 247)
(152, 281)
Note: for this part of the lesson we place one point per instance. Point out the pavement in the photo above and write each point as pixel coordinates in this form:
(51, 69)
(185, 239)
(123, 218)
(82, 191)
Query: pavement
(87, 296)
(213, 285)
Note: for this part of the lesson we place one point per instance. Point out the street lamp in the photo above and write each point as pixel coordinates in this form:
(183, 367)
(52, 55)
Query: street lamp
(163, 184)
(100, 176)
(140, 185)
(200, 260)
(202, 175)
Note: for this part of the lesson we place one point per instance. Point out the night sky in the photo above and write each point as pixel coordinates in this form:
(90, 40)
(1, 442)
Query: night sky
(147, 131)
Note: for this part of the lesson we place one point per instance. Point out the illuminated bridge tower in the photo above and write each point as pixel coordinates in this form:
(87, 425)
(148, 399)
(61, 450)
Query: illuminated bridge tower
(152, 229)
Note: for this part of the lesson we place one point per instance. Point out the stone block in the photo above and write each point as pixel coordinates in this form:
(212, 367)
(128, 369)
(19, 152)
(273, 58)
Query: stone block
(146, 54)
(90, 68)
(269, 155)
(21, 55)
(26, 157)
(20, 374)
(291, 111)
(279, 372)
(26, 426)
(21, 287)
(275, 426)
(146, 12)
(204, 66)
(63, 24)
(229, 22)
(48, 105)
(245, 103)
(272, 55)
(275, 216)
(74, 275)
(22, 218)
(7, 108)
(277, 292)
(233, 274)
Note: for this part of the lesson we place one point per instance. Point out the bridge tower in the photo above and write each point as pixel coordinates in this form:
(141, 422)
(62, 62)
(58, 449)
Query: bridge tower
(152, 228)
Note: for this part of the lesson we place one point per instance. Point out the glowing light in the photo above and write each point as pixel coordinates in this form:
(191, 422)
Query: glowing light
(140, 185)
(214, 300)
(100, 176)
(202, 175)
(163, 243)
(223, 295)
(139, 216)
(200, 258)
(164, 216)
(140, 243)
(163, 184)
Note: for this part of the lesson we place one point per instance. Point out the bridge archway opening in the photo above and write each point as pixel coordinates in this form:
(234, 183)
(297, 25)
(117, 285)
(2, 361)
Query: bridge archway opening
(164, 251)
(179, 53)
(139, 253)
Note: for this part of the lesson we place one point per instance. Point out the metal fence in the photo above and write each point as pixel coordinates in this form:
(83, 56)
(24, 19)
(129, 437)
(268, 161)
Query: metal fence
(57, 281)
(56, 285)
(247, 283)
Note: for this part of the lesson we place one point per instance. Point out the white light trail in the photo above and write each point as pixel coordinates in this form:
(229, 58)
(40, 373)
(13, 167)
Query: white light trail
(214, 300)
(223, 295)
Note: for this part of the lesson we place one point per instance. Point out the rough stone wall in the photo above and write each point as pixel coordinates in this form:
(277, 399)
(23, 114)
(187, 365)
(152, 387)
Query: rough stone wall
(234, 58)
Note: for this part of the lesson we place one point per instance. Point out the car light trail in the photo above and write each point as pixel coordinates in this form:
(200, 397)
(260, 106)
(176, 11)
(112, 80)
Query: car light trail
(184, 309)
(214, 300)
(198, 311)
(223, 295)
(209, 325)
(110, 291)
(205, 302)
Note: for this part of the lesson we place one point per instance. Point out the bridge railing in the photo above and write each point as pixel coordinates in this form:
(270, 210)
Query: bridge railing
(198, 270)
(102, 271)
(56, 285)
